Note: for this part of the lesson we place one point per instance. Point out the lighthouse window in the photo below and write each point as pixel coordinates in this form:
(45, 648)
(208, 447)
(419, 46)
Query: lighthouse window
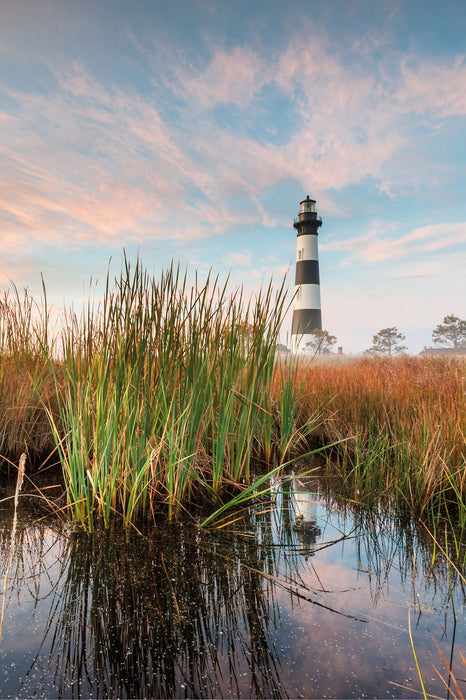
(298, 295)
(308, 206)
(301, 254)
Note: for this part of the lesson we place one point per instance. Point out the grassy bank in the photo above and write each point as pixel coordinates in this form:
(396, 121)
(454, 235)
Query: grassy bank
(166, 396)
(403, 426)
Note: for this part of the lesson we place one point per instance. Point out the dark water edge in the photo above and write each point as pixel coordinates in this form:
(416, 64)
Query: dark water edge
(274, 606)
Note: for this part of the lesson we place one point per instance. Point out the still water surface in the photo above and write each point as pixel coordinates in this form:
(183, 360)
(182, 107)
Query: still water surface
(305, 600)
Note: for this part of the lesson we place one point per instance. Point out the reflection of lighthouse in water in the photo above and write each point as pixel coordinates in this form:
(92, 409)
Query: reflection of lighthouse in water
(305, 506)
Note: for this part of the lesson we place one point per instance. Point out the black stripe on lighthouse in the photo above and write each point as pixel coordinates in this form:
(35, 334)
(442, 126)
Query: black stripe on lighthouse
(306, 321)
(307, 272)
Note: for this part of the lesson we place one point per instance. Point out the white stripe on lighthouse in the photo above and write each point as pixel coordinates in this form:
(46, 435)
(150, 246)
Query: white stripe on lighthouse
(307, 248)
(307, 296)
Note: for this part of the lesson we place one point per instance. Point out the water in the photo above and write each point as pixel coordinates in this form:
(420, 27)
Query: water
(305, 600)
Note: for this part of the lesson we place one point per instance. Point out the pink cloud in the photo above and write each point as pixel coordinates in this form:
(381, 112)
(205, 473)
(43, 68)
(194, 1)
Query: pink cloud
(111, 164)
(230, 77)
(372, 247)
(434, 87)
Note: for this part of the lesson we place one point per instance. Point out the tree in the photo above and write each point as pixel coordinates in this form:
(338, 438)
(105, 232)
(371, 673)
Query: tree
(321, 341)
(387, 342)
(451, 332)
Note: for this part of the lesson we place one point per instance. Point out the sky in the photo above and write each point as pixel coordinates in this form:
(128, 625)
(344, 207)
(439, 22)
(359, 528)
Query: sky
(191, 130)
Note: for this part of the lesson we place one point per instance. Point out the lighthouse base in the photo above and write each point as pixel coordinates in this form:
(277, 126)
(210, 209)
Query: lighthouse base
(302, 344)
(305, 321)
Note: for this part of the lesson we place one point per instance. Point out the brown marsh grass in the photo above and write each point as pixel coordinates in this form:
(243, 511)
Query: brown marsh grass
(26, 377)
(402, 423)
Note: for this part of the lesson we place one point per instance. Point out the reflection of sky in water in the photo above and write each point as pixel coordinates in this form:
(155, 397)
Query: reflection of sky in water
(318, 608)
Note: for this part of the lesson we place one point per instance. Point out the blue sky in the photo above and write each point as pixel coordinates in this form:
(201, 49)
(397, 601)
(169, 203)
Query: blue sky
(191, 130)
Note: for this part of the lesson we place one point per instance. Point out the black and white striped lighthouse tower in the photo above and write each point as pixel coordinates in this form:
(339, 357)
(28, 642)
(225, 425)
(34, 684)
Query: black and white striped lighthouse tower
(307, 315)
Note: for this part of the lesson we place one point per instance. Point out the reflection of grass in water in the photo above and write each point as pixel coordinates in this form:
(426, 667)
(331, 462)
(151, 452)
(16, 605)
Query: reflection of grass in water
(385, 540)
(416, 552)
(19, 483)
(177, 609)
(34, 539)
(449, 679)
(161, 616)
(146, 615)
(24, 551)
(411, 544)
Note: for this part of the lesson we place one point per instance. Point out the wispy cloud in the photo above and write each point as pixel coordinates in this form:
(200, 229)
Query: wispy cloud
(374, 248)
(242, 258)
(433, 87)
(230, 77)
(92, 163)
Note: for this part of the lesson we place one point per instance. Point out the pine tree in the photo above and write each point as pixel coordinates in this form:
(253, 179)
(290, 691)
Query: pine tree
(387, 342)
(451, 332)
(321, 341)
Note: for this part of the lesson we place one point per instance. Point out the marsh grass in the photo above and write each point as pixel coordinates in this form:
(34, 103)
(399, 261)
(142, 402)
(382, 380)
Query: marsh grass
(168, 396)
(26, 381)
(164, 396)
(403, 422)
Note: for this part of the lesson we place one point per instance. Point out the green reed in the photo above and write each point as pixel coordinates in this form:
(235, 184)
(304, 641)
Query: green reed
(165, 395)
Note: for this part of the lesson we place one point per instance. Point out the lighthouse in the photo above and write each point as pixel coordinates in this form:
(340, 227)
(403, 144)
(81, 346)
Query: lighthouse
(307, 315)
